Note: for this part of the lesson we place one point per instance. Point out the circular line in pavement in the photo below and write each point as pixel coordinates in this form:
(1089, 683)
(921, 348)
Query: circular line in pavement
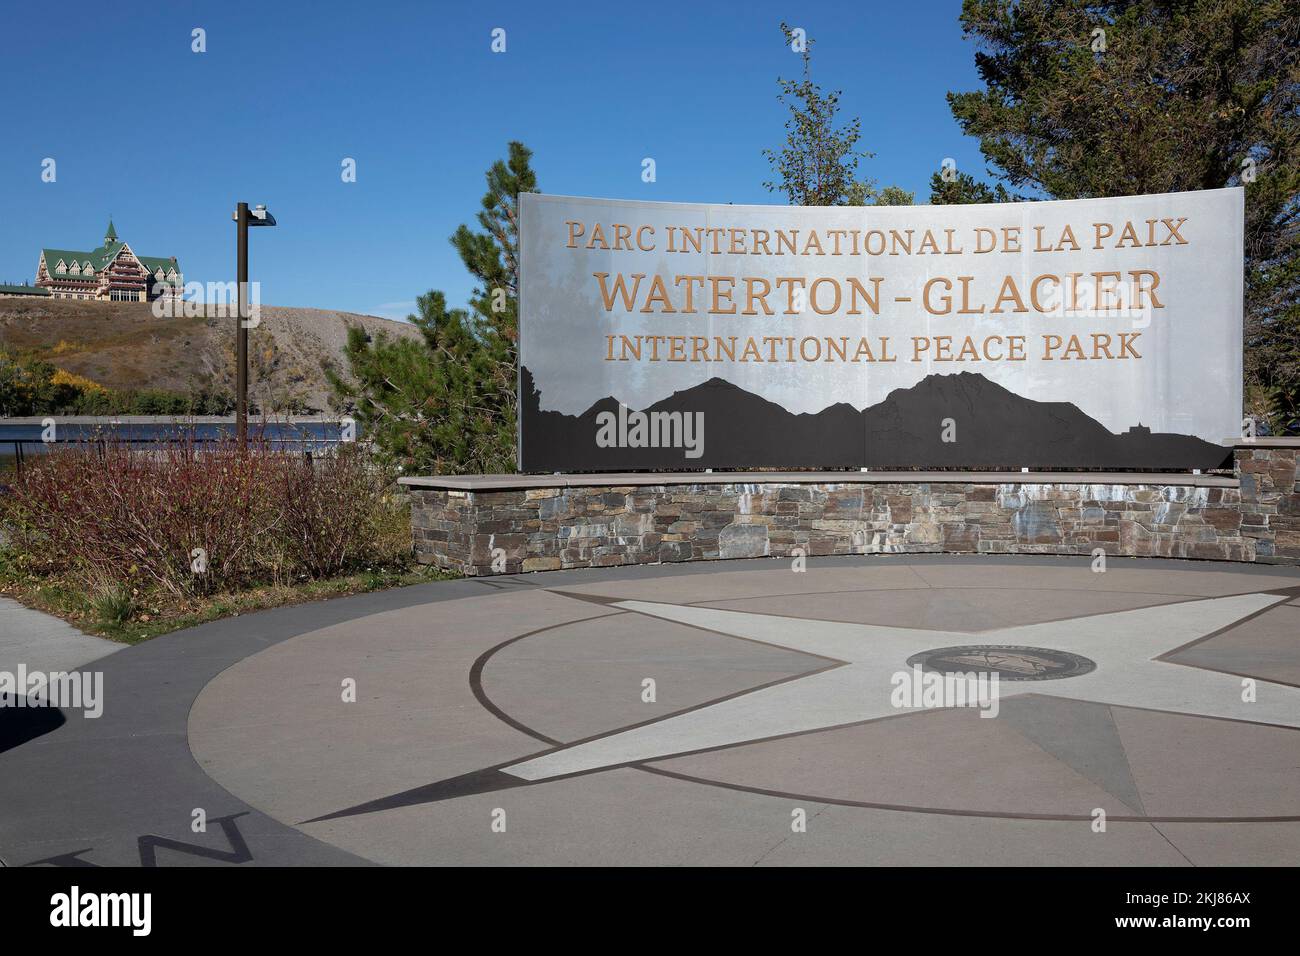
(476, 686)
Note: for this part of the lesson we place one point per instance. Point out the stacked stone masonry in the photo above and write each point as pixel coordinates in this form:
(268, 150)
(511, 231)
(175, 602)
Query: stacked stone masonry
(548, 528)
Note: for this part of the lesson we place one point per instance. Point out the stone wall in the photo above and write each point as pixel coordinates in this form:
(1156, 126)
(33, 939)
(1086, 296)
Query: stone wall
(1270, 501)
(1255, 517)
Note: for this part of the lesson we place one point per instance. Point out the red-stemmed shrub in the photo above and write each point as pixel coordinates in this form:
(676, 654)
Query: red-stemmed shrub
(194, 518)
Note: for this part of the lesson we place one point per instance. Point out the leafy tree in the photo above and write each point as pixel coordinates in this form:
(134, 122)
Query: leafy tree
(12, 399)
(818, 164)
(963, 188)
(28, 386)
(1087, 98)
(894, 196)
(447, 403)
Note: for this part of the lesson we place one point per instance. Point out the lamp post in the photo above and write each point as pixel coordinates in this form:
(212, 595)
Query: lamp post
(244, 219)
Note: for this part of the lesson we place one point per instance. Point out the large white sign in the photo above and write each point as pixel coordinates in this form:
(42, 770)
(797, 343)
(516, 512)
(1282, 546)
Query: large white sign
(995, 318)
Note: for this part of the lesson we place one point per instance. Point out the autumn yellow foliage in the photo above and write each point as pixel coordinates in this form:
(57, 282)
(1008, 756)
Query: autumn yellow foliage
(64, 377)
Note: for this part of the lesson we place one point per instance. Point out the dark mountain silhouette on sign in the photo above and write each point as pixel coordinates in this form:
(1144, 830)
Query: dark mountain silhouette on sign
(994, 428)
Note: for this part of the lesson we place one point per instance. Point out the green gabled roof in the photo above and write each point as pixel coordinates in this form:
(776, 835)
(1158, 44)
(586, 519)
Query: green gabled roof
(153, 263)
(101, 256)
(107, 253)
(112, 233)
(25, 289)
(98, 257)
(52, 257)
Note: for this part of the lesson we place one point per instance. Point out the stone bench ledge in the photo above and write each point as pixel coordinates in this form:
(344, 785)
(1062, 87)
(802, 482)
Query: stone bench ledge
(1265, 442)
(483, 483)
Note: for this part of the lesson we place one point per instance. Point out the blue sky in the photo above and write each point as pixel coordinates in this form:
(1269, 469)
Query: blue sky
(167, 140)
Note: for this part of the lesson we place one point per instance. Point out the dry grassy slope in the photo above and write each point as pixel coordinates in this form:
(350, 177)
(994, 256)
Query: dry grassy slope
(123, 345)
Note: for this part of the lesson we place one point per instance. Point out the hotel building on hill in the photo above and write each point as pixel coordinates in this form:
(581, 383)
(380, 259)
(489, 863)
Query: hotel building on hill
(112, 272)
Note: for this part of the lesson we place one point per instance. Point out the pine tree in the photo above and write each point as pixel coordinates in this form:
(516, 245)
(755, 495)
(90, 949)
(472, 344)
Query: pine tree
(963, 188)
(447, 403)
(1087, 98)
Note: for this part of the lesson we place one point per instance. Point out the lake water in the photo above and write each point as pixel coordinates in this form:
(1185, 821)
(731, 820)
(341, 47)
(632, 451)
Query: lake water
(26, 433)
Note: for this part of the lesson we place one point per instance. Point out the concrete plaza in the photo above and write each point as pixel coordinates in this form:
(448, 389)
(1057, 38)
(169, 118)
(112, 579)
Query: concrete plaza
(728, 713)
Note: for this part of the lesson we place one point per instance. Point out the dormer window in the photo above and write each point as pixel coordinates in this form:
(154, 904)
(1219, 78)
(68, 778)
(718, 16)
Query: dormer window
(159, 274)
(76, 269)
(89, 270)
(61, 267)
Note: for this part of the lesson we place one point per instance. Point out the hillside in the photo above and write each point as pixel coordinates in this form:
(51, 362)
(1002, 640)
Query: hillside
(123, 345)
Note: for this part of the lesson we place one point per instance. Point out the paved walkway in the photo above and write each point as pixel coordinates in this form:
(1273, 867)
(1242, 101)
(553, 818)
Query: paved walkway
(45, 643)
(724, 713)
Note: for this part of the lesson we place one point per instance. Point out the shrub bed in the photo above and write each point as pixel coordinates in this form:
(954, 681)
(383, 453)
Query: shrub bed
(189, 520)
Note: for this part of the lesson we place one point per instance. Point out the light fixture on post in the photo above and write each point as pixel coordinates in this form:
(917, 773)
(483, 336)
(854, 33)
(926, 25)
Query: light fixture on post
(245, 218)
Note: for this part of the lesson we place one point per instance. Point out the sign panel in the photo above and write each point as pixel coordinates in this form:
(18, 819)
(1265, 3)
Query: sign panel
(1096, 333)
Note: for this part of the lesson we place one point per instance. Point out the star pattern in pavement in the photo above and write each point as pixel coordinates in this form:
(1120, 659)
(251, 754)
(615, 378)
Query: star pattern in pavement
(1129, 648)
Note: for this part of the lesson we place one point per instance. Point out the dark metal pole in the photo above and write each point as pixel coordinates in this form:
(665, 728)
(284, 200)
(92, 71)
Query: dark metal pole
(241, 342)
